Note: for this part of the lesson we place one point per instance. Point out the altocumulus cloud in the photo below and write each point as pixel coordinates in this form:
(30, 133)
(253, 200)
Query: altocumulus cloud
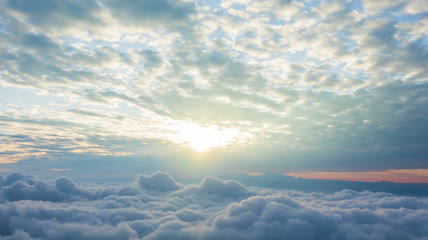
(157, 207)
(334, 76)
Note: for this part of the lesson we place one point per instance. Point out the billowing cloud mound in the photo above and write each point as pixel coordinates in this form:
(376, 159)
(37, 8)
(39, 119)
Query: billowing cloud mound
(158, 181)
(34, 209)
(215, 189)
(17, 187)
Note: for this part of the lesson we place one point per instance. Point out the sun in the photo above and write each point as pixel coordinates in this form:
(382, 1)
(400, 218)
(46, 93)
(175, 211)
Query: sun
(203, 139)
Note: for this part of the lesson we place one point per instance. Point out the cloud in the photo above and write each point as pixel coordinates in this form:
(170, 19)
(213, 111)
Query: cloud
(69, 210)
(158, 181)
(398, 175)
(60, 169)
(149, 12)
(411, 6)
(38, 41)
(54, 14)
(17, 187)
(217, 187)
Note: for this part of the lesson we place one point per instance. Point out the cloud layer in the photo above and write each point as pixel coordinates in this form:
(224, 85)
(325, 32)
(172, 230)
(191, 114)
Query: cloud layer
(214, 209)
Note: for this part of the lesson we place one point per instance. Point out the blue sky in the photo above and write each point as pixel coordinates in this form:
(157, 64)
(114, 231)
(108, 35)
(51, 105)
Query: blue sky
(115, 87)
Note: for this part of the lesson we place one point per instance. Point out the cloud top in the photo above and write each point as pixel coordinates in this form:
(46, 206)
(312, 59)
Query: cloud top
(158, 181)
(214, 186)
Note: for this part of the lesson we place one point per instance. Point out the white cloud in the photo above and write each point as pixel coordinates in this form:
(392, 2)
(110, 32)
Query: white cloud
(34, 209)
(374, 7)
(416, 6)
(409, 6)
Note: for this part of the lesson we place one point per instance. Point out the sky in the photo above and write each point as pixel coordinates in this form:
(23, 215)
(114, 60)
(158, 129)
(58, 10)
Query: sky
(213, 119)
(313, 89)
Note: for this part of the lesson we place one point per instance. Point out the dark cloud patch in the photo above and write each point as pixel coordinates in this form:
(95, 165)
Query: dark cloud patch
(56, 14)
(150, 12)
(151, 58)
(213, 209)
(381, 36)
(38, 41)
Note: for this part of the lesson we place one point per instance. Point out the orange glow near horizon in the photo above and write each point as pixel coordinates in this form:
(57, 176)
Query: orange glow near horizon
(255, 173)
(60, 169)
(397, 175)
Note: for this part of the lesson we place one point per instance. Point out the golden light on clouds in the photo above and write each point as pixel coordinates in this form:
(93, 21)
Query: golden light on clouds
(203, 139)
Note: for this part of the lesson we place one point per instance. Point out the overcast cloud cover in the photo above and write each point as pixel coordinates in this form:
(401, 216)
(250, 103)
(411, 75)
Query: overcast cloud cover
(31, 208)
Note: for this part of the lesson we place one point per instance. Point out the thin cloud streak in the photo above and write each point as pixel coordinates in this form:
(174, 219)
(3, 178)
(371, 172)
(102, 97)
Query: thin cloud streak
(60, 169)
(396, 175)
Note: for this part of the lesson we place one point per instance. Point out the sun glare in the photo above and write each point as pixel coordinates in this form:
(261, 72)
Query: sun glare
(203, 139)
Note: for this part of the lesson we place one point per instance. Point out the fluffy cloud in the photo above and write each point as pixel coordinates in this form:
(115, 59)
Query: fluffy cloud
(213, 209)
(217, 187)
(158, 181)
(17, 187)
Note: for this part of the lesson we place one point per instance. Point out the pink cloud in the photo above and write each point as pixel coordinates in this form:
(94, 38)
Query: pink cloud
(393, 175)
(60, 169)
(255, 173)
